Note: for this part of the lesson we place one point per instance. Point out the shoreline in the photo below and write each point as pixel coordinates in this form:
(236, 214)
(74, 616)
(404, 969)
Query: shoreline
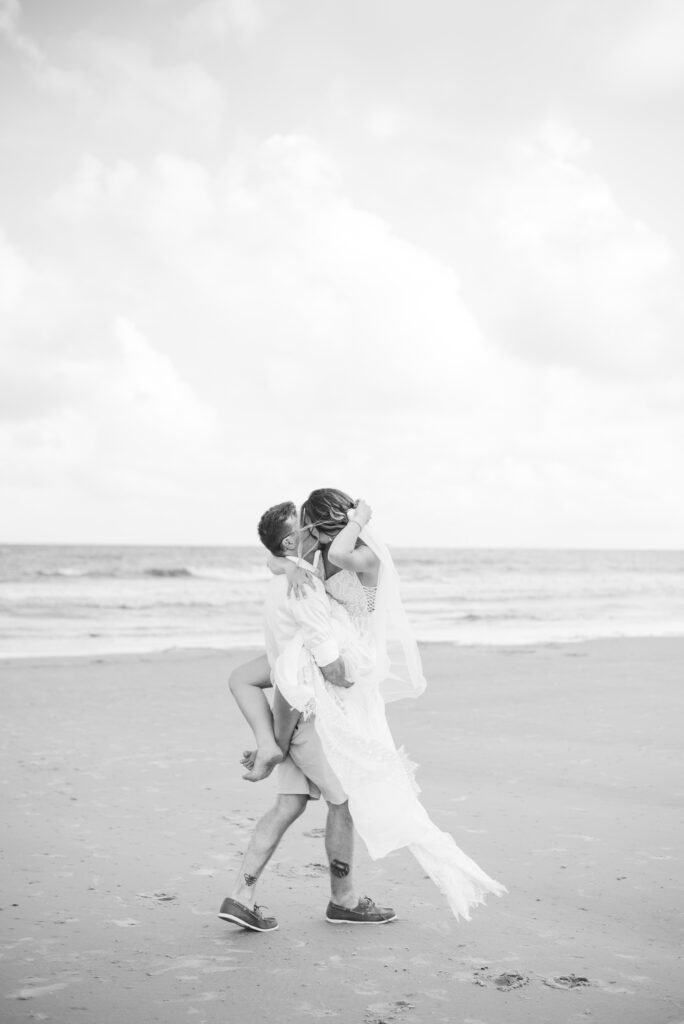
(249, 648)
(556, 767)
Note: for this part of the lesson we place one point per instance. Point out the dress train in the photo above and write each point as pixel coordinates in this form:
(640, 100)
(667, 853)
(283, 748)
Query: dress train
(383, 795)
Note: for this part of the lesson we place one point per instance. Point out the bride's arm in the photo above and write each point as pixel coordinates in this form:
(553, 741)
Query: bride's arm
(343, 551)
(297, 578)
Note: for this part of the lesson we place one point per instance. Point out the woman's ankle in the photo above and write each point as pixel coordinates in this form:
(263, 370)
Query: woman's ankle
(266, 745)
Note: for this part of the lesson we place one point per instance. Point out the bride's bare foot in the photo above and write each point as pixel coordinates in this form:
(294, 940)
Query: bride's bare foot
(248, 758)
(263, 763)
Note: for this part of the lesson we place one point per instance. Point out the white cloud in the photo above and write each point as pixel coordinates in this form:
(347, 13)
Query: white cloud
(567, 276)
(135, 92)
(154, 396)
(10, 15)
(269, 257)
(48, 76)
(213, 20)
(88, 408)
(14, 274)
(247, 333)
(648, 53)
(280, 303)
(116, 92)
(208, 313)
(384, 122)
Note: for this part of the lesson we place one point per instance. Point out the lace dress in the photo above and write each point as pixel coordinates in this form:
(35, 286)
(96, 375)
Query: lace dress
(378, 778)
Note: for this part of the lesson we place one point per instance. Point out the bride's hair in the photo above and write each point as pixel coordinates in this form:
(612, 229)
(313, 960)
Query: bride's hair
(327, 508)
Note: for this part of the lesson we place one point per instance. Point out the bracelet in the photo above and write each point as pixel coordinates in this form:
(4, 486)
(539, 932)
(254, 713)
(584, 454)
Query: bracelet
(355, 522)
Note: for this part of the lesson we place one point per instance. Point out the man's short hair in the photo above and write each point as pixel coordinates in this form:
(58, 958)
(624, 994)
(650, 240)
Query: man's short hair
(273, 526)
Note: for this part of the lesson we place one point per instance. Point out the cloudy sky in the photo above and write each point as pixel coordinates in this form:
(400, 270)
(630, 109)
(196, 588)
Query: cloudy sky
(430, 253)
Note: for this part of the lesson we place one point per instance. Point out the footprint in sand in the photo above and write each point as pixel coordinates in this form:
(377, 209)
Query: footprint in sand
(37, 990)
(509, 980)
(566, 981)
(160, 897)
(503, 982)
(383, 1013)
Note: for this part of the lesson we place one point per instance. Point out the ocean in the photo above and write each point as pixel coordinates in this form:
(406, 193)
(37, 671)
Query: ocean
(59, 599)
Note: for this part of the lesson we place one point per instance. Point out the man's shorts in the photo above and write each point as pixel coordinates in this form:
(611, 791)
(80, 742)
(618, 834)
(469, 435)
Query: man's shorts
(306, 770)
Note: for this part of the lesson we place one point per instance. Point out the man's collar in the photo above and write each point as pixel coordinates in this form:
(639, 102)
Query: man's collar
(303, 564)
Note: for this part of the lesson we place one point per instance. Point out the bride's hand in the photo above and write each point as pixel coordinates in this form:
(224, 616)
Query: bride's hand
(297, 580)
(361, 513)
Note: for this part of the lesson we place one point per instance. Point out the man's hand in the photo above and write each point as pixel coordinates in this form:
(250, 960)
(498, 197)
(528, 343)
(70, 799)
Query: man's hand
(334, 673)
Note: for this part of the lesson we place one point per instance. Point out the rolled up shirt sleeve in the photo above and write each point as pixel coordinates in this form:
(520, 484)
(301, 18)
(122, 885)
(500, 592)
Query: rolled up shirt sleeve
(313, 615)
(325, 653)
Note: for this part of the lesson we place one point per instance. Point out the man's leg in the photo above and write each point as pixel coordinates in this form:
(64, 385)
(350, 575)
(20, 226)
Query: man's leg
(240, 906)
(306, 754)
(269, 831)
(247, 684)
(344, 906)
(339, 846)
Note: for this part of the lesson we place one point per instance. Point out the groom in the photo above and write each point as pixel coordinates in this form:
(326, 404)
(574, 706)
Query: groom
(305, 773)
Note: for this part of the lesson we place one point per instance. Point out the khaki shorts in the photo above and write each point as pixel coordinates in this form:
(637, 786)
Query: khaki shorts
(305, 770)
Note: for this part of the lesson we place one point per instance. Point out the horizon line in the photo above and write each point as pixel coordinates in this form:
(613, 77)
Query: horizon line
(422, 547)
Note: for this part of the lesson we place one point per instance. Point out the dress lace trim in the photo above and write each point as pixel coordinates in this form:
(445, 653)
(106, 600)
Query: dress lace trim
(346, 588)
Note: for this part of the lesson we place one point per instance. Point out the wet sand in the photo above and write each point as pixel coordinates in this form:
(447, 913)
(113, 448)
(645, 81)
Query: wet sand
(559, 769)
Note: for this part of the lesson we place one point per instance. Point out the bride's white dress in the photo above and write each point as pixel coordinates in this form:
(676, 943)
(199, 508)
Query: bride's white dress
(378, 778)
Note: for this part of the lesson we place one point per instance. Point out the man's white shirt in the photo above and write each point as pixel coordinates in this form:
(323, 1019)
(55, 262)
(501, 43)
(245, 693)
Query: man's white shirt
(285, 616)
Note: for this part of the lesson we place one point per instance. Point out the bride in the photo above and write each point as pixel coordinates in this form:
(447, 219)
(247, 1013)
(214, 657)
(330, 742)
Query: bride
(382, 659)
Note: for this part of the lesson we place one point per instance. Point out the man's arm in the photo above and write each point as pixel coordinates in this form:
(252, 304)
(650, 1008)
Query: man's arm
(313, 615)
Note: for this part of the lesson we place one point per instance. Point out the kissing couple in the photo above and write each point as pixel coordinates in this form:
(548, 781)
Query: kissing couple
(339, 646)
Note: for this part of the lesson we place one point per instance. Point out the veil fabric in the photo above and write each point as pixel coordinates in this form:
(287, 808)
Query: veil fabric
(398, 669)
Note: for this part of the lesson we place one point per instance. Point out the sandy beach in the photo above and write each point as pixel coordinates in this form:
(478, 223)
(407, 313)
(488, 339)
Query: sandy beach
(558, 768)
